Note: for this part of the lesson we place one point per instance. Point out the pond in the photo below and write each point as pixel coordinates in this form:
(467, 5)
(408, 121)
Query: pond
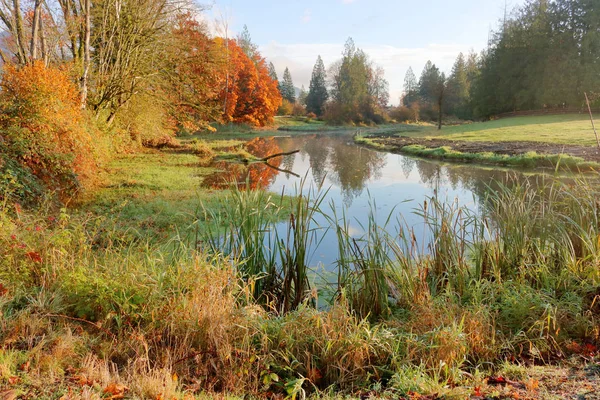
(358, 181)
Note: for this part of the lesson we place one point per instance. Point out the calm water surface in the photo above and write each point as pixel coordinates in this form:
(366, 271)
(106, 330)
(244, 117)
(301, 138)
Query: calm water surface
(359, 180)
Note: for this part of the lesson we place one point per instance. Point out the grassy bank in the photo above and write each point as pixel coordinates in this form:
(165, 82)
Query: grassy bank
(564, 129)
(530, 159)
(86, 315)
(526, 142)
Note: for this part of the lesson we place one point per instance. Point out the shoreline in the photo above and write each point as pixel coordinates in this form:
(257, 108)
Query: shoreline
(523, 154)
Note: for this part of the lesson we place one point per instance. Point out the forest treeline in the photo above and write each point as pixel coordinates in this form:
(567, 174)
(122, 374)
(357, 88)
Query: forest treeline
(545, 55)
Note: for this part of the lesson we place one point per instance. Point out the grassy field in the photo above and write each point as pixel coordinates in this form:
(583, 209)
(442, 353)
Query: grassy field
(567, 129)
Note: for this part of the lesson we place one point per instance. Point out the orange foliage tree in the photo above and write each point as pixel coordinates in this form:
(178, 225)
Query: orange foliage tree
(44, 143)
(195, 65)
(248, 94)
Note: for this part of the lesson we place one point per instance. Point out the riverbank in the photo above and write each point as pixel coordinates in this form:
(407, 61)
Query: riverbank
(123, 298)
(526, 142)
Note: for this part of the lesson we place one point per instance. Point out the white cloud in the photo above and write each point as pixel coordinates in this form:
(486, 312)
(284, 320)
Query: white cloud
(300, 59)
(306, 16)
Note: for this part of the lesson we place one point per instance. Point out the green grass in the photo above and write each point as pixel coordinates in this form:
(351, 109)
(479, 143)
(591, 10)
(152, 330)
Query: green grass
(564, 129)
(153, 195)
(528, 160)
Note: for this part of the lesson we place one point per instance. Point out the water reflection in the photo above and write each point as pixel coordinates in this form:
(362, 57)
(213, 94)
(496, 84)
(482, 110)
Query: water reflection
(346, 165)
(360, 181)
(258, 175)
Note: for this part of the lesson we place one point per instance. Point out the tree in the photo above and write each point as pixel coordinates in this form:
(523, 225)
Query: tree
(273, 72)
(245, 42)
(252, 96)
(194, 60)
(317, 91)
(302, 96)
(411, 88)
(287, 89)
(458, 89)
(432, 90)
(359, 91)
(127, 42)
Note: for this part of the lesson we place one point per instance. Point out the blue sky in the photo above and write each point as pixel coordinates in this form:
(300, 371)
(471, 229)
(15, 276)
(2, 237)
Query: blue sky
(396, 34)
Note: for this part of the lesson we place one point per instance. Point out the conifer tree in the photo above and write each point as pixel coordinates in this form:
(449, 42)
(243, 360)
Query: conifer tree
(273, 72)
(317, 92)
(245, 42)
(288, 92)
(410, 88)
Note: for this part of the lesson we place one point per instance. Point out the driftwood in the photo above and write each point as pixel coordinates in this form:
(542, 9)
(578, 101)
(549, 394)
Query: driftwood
(592, 119)
(281, 170)
(267, 158)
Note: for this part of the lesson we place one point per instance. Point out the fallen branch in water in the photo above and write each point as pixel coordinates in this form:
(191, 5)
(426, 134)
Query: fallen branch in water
(282, 170)
(278, 155)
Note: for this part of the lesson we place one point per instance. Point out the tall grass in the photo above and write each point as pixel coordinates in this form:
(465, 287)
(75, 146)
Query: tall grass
(518, 279)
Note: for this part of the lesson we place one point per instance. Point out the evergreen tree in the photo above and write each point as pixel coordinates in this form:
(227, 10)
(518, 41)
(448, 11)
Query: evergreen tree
(288, 92)
(411, 88)
(317, 91)
(458, 89)
(428, 83)
(302, 96)
(245, 42)
(273, 72)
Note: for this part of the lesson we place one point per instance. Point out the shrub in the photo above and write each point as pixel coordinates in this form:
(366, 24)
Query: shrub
(286, 108)
(45, 145)
(298, 110)
(402, 114)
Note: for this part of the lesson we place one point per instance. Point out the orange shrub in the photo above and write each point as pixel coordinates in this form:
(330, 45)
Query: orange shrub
(44, 143)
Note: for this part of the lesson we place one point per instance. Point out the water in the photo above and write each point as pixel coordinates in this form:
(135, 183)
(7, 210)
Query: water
(359, 180)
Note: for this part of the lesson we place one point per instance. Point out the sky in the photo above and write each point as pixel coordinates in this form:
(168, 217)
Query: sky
(396, 34)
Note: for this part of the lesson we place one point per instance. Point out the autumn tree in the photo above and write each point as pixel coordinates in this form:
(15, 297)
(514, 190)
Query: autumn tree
(127, 42)
(252, 95)
(193, 62)
(317, 91)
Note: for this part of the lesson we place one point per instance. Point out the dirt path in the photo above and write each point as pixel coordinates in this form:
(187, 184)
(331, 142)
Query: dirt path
(510, 148)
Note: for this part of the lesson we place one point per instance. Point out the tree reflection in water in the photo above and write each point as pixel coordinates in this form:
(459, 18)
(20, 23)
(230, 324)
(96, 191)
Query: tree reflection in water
(257, 175)
(337, 161)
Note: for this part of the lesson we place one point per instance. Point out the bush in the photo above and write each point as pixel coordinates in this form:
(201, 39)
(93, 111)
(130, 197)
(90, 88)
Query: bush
(45, 145)
(146, 121)
(286, 108)
(298, 110)
(403, 114)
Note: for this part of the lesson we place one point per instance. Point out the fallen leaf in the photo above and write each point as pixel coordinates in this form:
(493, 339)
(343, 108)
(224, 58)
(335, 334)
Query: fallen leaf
(34, 256)
(497, 380)
(13, 380)
(116, 390)
(3, 290)
(25, 366)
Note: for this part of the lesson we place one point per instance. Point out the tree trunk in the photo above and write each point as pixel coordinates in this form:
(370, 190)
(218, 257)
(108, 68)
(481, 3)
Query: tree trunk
(35, 28)
(440, 101)
(86, 55)
(21, 52)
